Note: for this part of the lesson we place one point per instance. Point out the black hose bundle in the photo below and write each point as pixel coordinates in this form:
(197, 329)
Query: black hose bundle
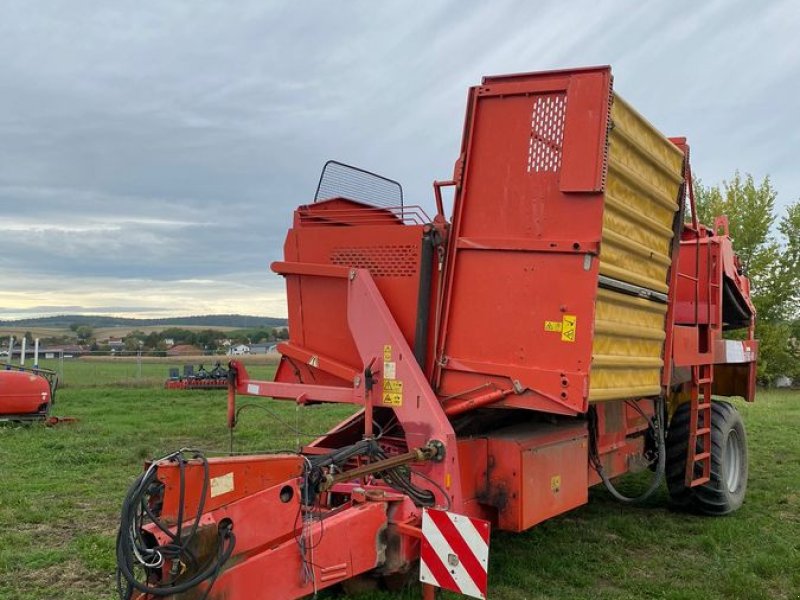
(134, 552)
(398, 478)
(657, 426)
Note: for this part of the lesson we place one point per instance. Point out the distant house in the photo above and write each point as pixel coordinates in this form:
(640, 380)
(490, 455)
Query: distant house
(169, 342)
(115, 343)
(238, 350)
(260, 348)
(782, 381)
(67, 351)
(184, 350)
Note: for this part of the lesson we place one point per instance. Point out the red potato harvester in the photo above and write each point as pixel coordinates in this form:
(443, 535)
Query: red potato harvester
(565, 326)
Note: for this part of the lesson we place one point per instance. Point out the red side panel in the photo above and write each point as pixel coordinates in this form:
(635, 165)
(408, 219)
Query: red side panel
(346, 234)
(523, 250)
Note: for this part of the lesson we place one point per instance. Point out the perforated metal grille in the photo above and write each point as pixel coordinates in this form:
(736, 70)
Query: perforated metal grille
(547, 133)
(346, 181)
(400, 260)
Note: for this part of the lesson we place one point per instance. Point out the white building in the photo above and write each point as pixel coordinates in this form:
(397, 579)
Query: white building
(238, 350)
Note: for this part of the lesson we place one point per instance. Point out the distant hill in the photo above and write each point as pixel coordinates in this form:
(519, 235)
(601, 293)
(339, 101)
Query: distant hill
(97, 321)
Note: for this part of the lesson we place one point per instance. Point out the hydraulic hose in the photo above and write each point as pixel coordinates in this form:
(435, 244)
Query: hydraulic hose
(133, 550)
(657, 427)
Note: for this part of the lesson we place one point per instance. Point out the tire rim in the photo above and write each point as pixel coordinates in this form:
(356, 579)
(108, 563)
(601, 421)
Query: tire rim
(732, 461)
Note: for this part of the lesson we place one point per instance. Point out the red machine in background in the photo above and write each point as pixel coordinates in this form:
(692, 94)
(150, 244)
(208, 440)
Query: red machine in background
(564, 327)
(26, 394)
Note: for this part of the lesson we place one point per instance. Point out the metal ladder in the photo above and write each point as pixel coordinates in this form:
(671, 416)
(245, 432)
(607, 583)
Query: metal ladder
(699, 449)
(699, 445)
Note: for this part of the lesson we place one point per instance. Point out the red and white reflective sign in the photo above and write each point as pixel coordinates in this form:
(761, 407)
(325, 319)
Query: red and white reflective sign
(455, 552)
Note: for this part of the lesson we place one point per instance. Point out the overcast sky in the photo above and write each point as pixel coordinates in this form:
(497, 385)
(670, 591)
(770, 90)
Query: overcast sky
(151, 152)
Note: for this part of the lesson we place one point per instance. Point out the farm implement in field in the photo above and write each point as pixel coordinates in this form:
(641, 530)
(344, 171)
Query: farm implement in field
(566, 325)
(27, 394)
(202, 379)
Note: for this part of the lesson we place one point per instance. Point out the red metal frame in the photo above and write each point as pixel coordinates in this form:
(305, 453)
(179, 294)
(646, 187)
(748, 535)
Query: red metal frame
(420, 414)
(219, 383)
(498, 258)
(353, 274)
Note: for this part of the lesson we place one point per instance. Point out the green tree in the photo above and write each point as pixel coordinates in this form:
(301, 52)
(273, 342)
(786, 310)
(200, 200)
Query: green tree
(207, 338)
(769, 248)
(152, 340)
(85, 333)
(180, 335)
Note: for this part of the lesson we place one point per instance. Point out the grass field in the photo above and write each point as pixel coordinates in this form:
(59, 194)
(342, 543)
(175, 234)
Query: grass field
(100, 332)
(107, 371)
(60, 490)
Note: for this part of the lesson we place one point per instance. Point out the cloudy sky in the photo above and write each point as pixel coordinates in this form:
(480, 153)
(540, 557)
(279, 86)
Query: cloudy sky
(151, 152)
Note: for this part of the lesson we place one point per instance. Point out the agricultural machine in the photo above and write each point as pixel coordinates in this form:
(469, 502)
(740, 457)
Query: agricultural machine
(202, 379)
(26, 394)
(566, 325)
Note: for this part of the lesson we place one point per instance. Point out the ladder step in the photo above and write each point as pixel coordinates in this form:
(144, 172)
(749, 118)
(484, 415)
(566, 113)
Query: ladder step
(703, 430)
(703, 380)
(703, 406)
(699, 481)
(702, 456)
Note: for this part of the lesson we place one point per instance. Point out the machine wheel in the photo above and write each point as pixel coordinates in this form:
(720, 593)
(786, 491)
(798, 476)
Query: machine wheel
(677, 446)
(726, 490)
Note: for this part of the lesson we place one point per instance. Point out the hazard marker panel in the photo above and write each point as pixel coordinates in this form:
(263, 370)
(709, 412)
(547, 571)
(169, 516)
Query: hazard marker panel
(455, 552)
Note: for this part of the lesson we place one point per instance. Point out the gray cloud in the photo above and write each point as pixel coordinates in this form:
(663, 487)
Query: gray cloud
(162, 144)
(77, 308)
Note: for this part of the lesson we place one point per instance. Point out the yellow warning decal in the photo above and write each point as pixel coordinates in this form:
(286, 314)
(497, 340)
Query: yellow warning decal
(567, 326)
(392, 385)
(387, 353)
(392, 392)
(555, 483)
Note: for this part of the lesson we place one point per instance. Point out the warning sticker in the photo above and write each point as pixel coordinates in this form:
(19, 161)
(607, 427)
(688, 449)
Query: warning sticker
(389, 370)
(392, 385)
(392, 392)
(567, 326)
(387, 353)
(552, 325)
(221, 485)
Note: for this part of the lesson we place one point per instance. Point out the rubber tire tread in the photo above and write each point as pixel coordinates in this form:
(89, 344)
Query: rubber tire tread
(677, 446)
(712, 498)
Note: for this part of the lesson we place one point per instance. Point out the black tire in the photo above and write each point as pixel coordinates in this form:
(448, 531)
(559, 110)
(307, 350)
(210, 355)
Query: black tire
(725, 492)
(677, 446)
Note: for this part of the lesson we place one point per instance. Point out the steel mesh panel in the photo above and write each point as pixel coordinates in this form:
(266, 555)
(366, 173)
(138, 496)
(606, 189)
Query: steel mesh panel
(401, 260)
(547, 133)
(339, 180)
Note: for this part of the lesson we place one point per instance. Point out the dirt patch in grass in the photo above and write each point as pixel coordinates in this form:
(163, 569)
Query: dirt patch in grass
(68, 575)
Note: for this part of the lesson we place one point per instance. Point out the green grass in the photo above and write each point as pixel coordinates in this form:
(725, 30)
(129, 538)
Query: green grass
(60, 490)
(126, 372)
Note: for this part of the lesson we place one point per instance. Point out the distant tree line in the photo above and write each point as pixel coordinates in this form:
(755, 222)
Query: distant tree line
(208, 340)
